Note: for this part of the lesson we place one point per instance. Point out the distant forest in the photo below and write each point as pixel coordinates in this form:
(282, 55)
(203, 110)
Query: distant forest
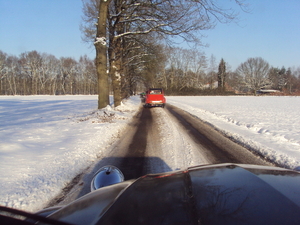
(179, 71)
(33, 73)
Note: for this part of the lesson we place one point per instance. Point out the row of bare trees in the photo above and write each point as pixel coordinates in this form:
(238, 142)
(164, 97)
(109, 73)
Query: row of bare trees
(184, 70)
(177, 70)
(190, 72)
(33, 73)
(127, 34)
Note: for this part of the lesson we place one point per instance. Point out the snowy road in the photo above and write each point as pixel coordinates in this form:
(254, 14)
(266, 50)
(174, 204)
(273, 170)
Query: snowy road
(160, 140)
(215, 147)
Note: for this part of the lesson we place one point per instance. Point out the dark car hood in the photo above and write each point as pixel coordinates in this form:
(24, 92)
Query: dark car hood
(210, 194)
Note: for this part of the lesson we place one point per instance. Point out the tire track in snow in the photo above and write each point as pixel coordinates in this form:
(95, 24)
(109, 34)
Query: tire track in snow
(177, 149)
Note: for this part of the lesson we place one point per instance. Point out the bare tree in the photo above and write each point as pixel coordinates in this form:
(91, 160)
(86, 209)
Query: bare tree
(166, 17)
(198, 66)
(292, 83)
(3, 69)
(234, 81)
(255, 72)
(48, 73)
(68, 71)
(12, 75)
(296, 81)
(212, 74)
(31, 65)
(184, 70)
(143, 59)
(87, 71)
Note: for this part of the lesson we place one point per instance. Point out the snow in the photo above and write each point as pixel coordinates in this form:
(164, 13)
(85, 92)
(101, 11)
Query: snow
(101, 40)
(47, 140)
(175, 147)
(268, 125)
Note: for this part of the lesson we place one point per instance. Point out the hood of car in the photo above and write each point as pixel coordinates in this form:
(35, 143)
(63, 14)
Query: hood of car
(208, 194)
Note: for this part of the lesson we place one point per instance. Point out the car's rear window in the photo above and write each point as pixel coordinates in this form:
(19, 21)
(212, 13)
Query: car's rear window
(155, 92)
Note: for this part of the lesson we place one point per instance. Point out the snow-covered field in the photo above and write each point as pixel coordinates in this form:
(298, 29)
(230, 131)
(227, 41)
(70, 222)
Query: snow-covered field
(46, 140)
(267, 124)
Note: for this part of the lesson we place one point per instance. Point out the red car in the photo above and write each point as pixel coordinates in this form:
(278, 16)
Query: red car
(155, 97)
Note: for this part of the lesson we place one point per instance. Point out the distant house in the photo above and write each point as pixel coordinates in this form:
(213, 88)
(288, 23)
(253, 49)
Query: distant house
(211, 85)
(267, 91)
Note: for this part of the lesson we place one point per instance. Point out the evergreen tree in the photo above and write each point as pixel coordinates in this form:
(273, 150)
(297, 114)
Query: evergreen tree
(222, 75)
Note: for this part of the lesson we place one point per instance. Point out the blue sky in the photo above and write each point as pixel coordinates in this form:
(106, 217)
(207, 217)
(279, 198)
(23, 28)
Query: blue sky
(50, 26)
(271, 31)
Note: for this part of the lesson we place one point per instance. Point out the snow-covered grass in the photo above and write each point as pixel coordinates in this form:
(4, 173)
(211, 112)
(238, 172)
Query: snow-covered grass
(46, 140)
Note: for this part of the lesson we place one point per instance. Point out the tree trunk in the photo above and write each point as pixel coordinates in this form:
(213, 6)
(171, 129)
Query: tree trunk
(101, 56)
